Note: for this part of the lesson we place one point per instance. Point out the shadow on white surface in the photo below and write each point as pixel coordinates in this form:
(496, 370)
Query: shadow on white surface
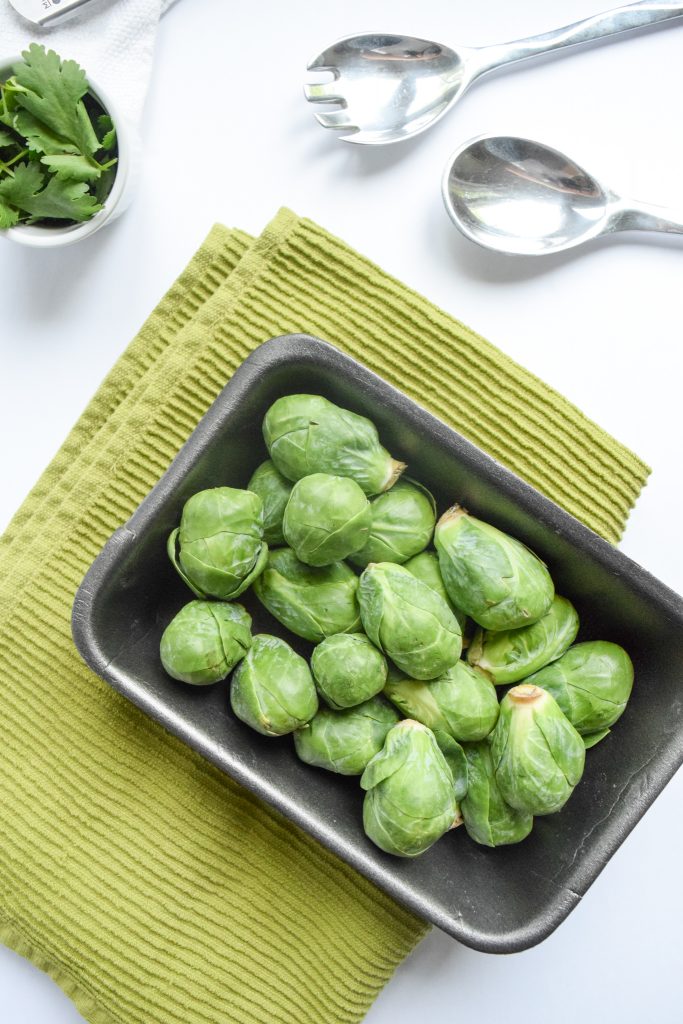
(29, 996)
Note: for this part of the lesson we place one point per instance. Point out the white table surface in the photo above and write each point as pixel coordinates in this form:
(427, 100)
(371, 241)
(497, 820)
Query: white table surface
(603, 326)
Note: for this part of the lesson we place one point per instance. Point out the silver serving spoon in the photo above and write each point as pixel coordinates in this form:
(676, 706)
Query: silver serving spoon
(521, 197)
(393, 87)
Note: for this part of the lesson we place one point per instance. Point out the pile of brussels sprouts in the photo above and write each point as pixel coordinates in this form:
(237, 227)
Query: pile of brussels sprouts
(334, 542)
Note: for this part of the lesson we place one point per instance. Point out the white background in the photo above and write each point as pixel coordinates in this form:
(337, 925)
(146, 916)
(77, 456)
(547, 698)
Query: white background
(603, 325)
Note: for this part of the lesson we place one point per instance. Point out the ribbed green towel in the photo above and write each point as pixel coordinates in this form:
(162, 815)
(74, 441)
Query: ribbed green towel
(148, 884)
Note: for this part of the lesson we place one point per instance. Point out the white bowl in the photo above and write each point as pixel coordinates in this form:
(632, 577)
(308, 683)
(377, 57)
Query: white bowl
(129, 149)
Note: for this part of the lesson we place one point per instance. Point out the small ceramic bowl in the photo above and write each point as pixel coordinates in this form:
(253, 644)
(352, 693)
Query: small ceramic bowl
(50, 237)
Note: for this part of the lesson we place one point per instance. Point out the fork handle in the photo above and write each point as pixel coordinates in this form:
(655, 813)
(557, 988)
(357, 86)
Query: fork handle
(599, 26)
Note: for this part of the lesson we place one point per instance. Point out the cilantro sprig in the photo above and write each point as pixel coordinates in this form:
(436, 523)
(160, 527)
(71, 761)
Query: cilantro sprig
(57, 146)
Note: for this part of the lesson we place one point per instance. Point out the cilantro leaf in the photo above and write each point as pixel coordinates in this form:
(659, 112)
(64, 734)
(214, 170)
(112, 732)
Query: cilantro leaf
(106, 132)
(52, 90)
(38, 136)
(72, 166)
(6, 140)
(8, 216)
(62, 200)
(22, 186)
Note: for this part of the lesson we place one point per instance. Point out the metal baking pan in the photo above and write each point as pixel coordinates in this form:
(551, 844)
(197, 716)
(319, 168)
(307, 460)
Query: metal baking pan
(501, 900)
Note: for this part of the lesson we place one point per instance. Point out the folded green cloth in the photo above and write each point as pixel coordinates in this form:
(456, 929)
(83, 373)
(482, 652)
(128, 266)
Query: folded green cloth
(148, 884)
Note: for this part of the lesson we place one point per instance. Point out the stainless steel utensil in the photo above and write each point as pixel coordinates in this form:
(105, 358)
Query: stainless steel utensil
(522, 197)
(393, 87)
(47, 12)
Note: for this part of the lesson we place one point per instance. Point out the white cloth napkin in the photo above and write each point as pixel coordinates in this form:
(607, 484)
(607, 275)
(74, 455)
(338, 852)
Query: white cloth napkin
(113, 40)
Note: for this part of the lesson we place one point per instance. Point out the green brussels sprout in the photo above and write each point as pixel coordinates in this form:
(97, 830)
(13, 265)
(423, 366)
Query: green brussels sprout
(346, 741)
(538, 755)
(425, 567)
(313, 603)
(513, 654)
(494, 578)
(272, 689)
(592, 683)
(326, 518)
(409, 800)
(348, 669)
(308, 434)
(402, 525)
(456, 761)
(488, 819)
(204, 641)
(462, 702)
(273, 489)
(218, 550)
(408, 621)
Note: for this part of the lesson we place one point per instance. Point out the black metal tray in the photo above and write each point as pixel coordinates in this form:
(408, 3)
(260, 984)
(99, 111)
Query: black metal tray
(500, 900)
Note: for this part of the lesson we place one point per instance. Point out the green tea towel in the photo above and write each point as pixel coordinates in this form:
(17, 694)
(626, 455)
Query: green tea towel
(148, 884)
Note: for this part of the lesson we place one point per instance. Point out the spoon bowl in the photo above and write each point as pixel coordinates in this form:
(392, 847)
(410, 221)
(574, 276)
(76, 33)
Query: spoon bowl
(518, 196)
(521, 197)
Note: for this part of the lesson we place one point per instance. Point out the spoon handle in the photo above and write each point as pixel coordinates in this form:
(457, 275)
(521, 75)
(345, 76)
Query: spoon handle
(608, 23)
(639, 216)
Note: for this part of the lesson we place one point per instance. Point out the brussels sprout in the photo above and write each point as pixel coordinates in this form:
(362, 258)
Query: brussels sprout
(456, 761)
(461, 702)
(307, 434)
(514, 654)
(425, 567)
(272, 689)
(592, 683)
(205, 641)
(273, 489)
(345, 741)
(313, 603)
(402, 525)
(496, 580)
(409, 801)
(538, 755)
(408, 621)
(348, 669)
(488, 819)
(326, 519)
(218, 549)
